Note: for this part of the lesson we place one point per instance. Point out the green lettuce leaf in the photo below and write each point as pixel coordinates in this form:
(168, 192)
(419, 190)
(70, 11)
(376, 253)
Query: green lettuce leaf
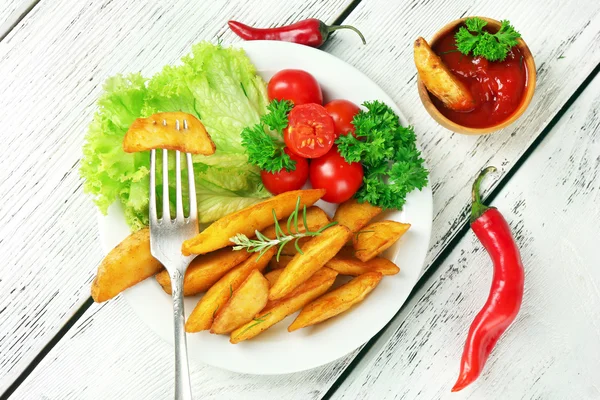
(218, 85)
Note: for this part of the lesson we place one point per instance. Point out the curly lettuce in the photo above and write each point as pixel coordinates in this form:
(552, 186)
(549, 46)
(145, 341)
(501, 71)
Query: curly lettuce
(218, 85)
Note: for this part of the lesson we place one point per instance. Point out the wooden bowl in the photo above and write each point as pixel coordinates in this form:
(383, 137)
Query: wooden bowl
(453, 126)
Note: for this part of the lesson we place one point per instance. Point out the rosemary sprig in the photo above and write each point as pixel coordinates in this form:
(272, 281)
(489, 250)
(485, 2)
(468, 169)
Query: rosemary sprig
(262, 243)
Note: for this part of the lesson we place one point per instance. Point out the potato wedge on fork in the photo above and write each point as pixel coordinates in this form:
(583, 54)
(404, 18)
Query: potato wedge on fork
(165, 131)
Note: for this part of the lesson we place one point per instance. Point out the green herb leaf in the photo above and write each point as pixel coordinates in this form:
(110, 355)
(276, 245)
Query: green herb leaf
(475, 24)
(471, 38)
(265, 150)
(277, 117)
(392, 164)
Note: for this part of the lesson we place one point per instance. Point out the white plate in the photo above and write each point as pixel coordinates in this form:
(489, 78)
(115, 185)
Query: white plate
(276, 351)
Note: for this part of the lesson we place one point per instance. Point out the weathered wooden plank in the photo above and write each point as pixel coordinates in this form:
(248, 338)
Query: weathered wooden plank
(52, 67)
(111, 354)
(11, 11)
(394, 78)
(551, 29)
(553, 349)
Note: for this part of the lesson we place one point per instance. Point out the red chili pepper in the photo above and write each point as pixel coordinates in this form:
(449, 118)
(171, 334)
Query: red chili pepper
(506, 293)
(310, 32)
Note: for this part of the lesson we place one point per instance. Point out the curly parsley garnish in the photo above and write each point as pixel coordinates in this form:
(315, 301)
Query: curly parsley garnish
(392, 164)
(471, 38)
(265, 149)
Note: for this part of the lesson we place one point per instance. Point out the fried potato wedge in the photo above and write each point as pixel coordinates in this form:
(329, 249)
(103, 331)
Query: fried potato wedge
(377, 237)
(315, 253)
(159, 131)
(272, 276)
(355, 215)
(284, 260)
(316, 218)
(278, 310)
(203, 315)
(290, 249)
(346, 264)
(439, 80)
(337, 301)
(124, 266)
(246, 221)
(204, 271)
(245, 302)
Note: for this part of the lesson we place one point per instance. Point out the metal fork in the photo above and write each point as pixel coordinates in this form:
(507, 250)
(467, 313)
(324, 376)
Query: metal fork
(166, 237)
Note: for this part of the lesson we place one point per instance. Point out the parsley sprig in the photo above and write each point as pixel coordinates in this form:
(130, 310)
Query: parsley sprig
(265, 148)
(471, 38)
(262, 243)
(392, 164)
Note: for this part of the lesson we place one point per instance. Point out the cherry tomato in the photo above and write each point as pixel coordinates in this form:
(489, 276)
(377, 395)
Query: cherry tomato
(284, 181)
(310, 131)
(339, 178)
(342, 112)
(295, 85)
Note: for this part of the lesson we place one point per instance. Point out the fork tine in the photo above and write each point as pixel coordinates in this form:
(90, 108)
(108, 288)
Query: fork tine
(192, 188)
(152, 205)
(178, 194)
(166, 215)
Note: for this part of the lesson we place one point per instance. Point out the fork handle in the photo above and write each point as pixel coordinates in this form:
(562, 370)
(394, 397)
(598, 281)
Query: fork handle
(183, 389)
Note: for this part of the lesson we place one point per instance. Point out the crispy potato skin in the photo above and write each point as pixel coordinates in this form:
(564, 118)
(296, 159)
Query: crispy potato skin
(206, 310)
(124, 266)
(272, 276)
(256, 217)
(276, 311)
(283, 261)
(336, 301)
(315, 217)
(355, 215)
(346, 264)
(150, 133)
(316, 252)
(204, 271)
(245, 302)
(439, 80)
(376, 238)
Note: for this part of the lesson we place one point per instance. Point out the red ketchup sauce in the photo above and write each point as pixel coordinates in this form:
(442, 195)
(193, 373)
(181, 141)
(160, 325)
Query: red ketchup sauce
(497, 86)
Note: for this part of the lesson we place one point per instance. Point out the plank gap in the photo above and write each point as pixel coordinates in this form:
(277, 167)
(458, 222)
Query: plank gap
(344, 14)
(47, 348)
(16, 16)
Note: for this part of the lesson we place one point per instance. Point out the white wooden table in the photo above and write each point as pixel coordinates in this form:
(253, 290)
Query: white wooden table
(56, 344)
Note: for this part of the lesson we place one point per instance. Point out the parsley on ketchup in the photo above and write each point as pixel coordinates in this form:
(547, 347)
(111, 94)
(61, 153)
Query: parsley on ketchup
(497, 86)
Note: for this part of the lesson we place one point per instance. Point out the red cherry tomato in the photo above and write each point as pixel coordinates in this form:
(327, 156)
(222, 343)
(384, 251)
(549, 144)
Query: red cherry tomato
(295, 85)
(339, 178)
(342, 112)
(284, 181)
(310, 131)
